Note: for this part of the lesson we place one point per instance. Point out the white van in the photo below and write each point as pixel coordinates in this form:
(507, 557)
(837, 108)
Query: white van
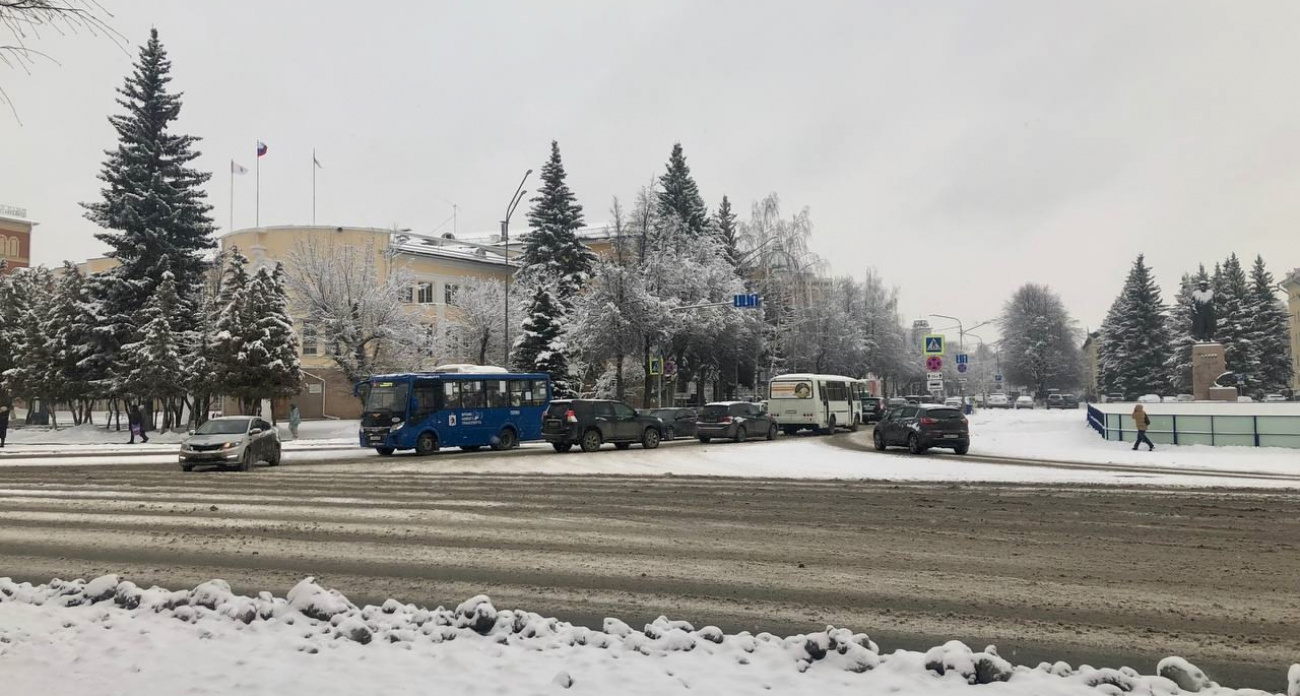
(820, 403)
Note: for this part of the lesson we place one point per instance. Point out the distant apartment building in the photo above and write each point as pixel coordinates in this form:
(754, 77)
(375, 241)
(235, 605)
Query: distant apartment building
(15, 237)
(1291, 284)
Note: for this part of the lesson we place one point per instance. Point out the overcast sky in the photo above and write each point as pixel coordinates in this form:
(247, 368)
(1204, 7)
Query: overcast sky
(961, 148)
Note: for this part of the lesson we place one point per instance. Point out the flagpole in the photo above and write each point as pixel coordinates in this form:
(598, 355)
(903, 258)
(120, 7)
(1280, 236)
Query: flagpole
(232, 197)
(257, 214)
(313, 187)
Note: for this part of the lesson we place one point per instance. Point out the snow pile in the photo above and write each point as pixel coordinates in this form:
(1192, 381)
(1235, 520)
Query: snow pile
(57, 637)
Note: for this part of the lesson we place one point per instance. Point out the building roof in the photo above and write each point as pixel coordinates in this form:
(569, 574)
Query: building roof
(12, 213)
(404, 242)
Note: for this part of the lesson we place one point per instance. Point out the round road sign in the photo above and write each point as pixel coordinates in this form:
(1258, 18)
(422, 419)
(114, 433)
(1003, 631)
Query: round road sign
(961, 367)
(934, 363)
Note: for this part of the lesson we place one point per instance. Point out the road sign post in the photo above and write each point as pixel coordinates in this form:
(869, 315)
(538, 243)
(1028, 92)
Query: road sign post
(750, 301)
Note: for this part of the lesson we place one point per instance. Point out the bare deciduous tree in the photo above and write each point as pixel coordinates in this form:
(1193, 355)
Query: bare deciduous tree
(25, 20)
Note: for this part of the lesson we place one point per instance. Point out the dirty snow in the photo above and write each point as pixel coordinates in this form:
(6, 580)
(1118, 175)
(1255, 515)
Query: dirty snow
(111, 637)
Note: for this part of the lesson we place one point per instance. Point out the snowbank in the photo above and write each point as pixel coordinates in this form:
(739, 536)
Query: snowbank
(63, 637)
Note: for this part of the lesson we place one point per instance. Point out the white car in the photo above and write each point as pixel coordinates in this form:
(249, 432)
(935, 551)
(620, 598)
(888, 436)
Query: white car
(231, 441)
(1025, 402)
(1149, 399)
(998, 401)
(953, 401)
(1274, 397)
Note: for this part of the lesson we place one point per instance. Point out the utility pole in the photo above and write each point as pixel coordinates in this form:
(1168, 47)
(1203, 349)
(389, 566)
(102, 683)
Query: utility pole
(505, 237)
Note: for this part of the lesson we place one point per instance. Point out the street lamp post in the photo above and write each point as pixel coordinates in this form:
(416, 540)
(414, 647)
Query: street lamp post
(505, 237)
(961, 337)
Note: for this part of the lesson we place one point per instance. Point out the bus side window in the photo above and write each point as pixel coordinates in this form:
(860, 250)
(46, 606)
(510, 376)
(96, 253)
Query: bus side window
(472, 395)
(451, 395)
(540, 396)
(516, 387)
(426, 394)
(821, 388)
(497, 397)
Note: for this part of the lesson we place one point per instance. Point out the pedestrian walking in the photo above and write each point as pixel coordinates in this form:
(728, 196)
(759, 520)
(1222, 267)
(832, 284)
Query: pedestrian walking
(295, 419)
(1143, 421)
(135, 422)
(4, 424)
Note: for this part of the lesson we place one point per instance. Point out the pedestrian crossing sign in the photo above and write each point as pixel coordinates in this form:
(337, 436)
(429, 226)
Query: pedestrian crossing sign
(934, 345)
(656, 366)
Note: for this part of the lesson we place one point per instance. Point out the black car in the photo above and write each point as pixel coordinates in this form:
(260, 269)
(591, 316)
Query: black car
(678, 422)
(920, 427)
(873, 408)
(734, 420)
(1065, 401)
(590, 423)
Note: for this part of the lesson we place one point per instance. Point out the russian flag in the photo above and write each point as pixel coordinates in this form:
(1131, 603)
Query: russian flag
(261, 148)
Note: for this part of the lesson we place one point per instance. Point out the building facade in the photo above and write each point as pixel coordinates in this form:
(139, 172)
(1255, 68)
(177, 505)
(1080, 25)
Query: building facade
(15, 237)
(1292, 287)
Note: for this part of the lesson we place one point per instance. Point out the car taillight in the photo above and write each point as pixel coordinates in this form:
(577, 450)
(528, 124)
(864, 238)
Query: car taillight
(964, 421)
(570, 416)
(929, 421)
(725, 419)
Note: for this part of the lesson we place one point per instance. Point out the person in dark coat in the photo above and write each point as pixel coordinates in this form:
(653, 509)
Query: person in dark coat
(135, 422)
(4, 424)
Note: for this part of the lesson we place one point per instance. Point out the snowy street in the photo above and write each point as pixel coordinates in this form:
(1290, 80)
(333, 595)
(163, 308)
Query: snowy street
(1044, 568)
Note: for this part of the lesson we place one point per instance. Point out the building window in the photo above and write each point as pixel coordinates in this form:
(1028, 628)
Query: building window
(407, 295)
(310, 339)
(449, 293)
(426, 293)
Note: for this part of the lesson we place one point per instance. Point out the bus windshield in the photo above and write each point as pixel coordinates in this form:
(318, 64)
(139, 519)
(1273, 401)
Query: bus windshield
(388, 396)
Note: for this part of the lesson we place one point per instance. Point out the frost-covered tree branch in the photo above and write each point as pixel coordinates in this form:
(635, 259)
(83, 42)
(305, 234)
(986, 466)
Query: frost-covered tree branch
(25, 20)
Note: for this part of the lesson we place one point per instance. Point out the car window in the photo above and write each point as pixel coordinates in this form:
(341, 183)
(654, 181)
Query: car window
(603, 409)
(624, 411)
(908, 412)
(944, 414)
(738, 410)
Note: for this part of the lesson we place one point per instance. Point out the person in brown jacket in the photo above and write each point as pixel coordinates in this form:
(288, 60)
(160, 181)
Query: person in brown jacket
(1142, 420)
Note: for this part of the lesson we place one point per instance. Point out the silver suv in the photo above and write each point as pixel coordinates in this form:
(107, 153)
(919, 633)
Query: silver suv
(231, 441)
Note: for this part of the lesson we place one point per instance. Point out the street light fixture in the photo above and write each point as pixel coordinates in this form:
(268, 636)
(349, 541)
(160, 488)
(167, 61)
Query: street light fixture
(505, 237)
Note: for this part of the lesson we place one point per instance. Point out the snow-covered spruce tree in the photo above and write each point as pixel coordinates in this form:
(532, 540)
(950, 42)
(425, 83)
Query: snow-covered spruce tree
(552, 254)
(200, 380)
(284, 370)
(1179, 363)
(231, 329)
(153, 203)
(151, 368)
(542, 347)
(1233, 304)
(33, 375)
(1135, 338)
(1039, 346)
(729, 234)
(1271, 332)
(679, 195)
(70, 325)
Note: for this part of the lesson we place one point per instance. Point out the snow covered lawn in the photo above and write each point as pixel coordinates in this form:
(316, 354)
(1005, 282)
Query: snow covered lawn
(1064, 436)
(85, 435)
(111, 637)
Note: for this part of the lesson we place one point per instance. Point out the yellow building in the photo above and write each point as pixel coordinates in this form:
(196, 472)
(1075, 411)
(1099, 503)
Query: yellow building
(1292, 287)
(15, 237)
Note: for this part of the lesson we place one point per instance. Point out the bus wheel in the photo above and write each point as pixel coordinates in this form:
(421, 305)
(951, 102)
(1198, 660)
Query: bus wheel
(505, 440)
(385, 451)
(426, 444)
(854, 428)
(830, 427)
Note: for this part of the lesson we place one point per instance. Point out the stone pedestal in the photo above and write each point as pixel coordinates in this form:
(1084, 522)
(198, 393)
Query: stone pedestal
(1207, 364)
(1223, 394)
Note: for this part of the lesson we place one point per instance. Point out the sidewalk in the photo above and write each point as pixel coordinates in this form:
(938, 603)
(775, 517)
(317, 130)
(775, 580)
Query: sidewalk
(95, 441)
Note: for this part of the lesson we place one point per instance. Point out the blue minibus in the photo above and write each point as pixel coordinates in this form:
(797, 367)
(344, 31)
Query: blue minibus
(426, 411)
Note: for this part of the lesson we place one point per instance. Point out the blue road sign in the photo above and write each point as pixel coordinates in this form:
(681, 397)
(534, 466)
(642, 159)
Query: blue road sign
(933, 345)
(747, 301)
(997, 378)
(962, 358)
(961, 366)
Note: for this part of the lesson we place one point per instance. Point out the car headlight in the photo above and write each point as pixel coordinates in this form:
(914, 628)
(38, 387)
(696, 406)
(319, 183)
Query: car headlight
(399, 426)
(229, 445)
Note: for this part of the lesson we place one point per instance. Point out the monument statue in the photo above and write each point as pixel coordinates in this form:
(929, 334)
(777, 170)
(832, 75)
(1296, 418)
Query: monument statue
(1203, 319)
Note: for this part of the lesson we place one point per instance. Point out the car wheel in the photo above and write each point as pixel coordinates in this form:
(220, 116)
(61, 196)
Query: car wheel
(622, 445)
(275, 457)
(741, 434)
(914, 445)
(591, 440)
(471, 448)
(771, 432)
(246, 462)
(561, 447)
(187, 467)
(961, 449)
(705, 440)
(426, 444)
(650, 438)
(506, 440)
(385, 451)
(670, 433)
(879, 441)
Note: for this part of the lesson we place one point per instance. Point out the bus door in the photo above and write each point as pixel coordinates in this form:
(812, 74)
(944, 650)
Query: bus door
(424, 404)
(475, 426)
(826, 404)
(450, 432)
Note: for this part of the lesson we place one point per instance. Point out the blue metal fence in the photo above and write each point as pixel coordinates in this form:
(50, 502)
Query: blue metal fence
(1223, 429)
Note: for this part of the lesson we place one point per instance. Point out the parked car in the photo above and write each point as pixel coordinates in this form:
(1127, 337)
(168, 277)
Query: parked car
(921, 427)
(873, 407)
(734, 420)
(1063, 401)
(1274, 397)
(231, 441)
(1114, 398)
(998, 401)
(678, 422)
(1185, 398)
(897, 401)
(1149, 399)
(590, 423)
(1024, 402)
